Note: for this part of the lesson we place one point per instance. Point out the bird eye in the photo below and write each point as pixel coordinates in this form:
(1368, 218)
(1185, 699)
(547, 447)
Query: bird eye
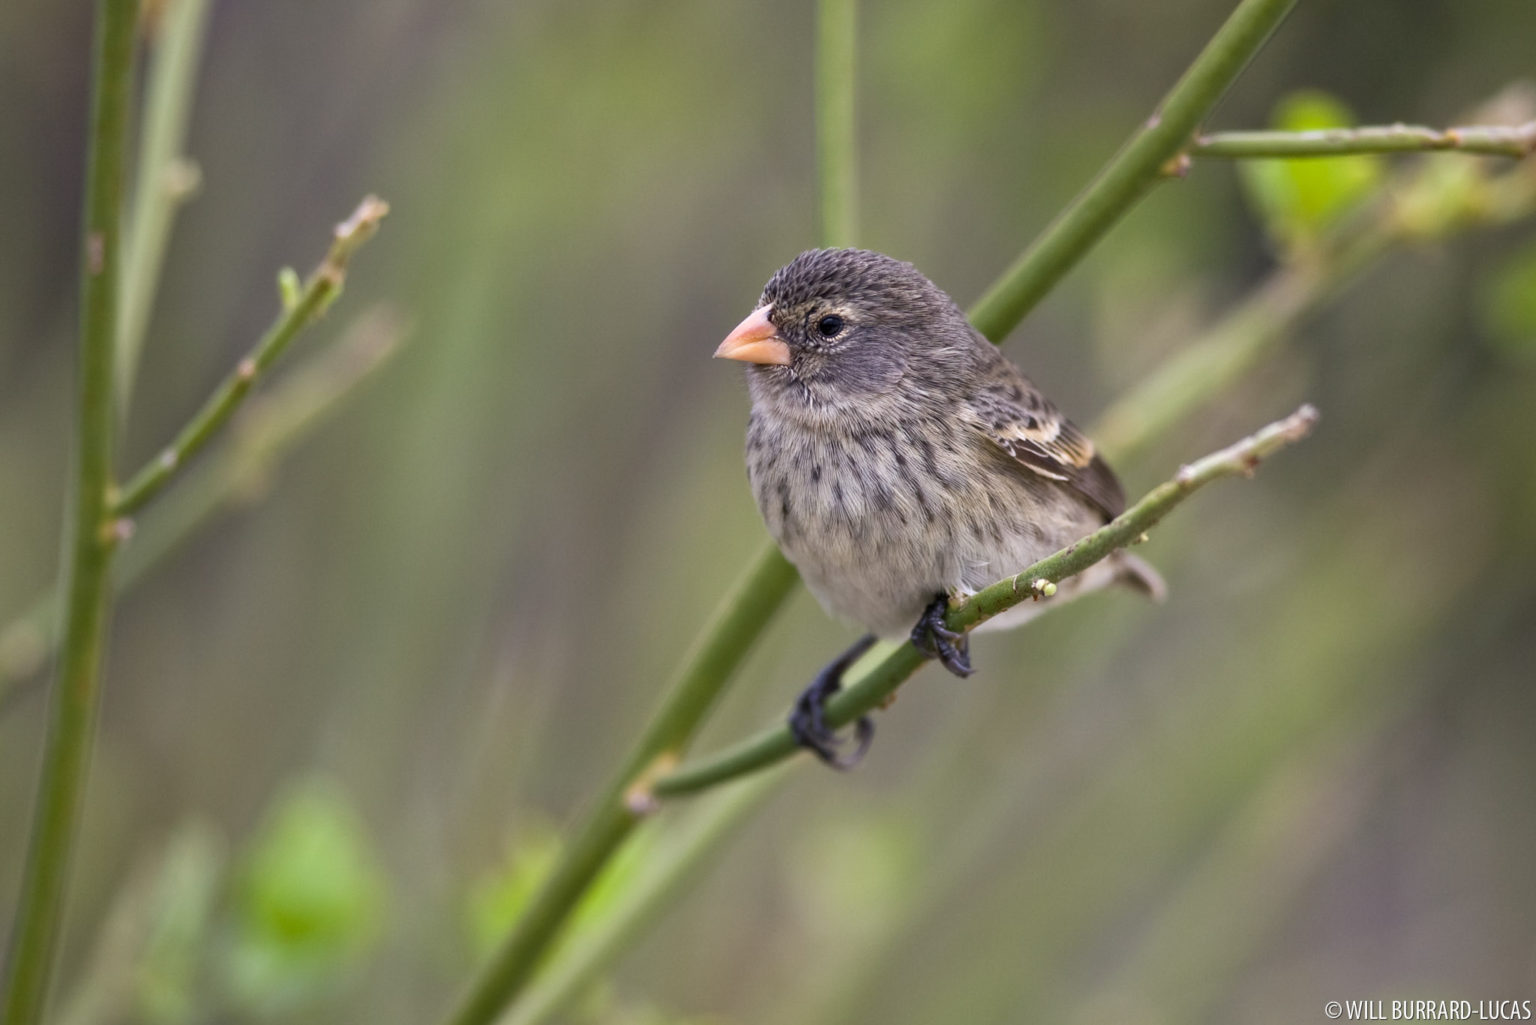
(829, 325)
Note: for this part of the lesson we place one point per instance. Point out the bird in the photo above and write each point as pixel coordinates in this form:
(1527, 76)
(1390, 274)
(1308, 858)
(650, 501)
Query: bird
(899, 459)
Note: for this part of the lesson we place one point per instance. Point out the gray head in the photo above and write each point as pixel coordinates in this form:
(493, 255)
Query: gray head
(844, 330)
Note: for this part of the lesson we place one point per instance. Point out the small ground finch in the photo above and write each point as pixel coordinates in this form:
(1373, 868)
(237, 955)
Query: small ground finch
(899, 458)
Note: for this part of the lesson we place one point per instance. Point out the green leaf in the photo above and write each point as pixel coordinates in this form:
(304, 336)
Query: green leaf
(310, 900)
(1297, 199)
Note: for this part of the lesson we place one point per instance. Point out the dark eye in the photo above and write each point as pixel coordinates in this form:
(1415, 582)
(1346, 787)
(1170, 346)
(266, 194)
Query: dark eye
(829, 325)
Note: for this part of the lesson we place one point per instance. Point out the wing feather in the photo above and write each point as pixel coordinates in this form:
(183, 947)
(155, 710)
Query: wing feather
(1012, 413)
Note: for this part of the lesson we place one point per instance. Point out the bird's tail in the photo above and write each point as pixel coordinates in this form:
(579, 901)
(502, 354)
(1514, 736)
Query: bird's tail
(1139, 575)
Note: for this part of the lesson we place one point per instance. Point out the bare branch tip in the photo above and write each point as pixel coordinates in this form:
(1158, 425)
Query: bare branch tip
(1300, 423)
(364, 220)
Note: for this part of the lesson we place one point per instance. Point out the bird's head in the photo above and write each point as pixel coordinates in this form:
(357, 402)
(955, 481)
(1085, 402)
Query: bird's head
(849, 330)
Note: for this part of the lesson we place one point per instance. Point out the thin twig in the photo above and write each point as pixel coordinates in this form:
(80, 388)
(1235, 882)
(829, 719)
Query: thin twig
(322, 287)
(1491, 140)
(163, 181)
(88, 559)
(873, 687)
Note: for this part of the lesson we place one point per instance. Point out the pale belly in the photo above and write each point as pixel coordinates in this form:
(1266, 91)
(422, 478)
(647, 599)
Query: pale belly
(880, 524)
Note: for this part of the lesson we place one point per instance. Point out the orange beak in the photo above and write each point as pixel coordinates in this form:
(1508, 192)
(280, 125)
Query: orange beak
(755, 340)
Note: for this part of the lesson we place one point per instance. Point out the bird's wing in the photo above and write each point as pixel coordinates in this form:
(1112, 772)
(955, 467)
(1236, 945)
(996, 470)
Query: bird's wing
(1013, 415)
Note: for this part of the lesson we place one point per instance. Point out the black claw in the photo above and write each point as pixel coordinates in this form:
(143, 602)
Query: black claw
(808, 719)
(951, 647)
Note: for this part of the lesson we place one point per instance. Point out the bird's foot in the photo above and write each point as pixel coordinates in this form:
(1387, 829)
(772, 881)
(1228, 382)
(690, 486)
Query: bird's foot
(931, 637)
(808, 719)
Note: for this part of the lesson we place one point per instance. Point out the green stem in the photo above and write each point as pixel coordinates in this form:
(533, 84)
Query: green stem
(836, 128)
(1492, 140)
(724, 642)
(1124, 180)
(317, 294)
(90, 541)
(163, 180)
(870, 689)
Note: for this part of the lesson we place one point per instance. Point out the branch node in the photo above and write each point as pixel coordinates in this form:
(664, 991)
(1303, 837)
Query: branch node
(1042, 588)
(116, 531)
(246, 370)
(1178, 166)
(182, 179)
(95, 252)
(640, 797)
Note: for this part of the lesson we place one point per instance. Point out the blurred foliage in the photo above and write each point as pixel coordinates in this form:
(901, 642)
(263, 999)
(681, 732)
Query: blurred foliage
(172, 961)
(149, 961)
(1303, 778)
(1507, 304)
(310, 901)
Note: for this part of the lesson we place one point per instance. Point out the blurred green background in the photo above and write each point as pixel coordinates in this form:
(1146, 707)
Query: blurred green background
(345, 719)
